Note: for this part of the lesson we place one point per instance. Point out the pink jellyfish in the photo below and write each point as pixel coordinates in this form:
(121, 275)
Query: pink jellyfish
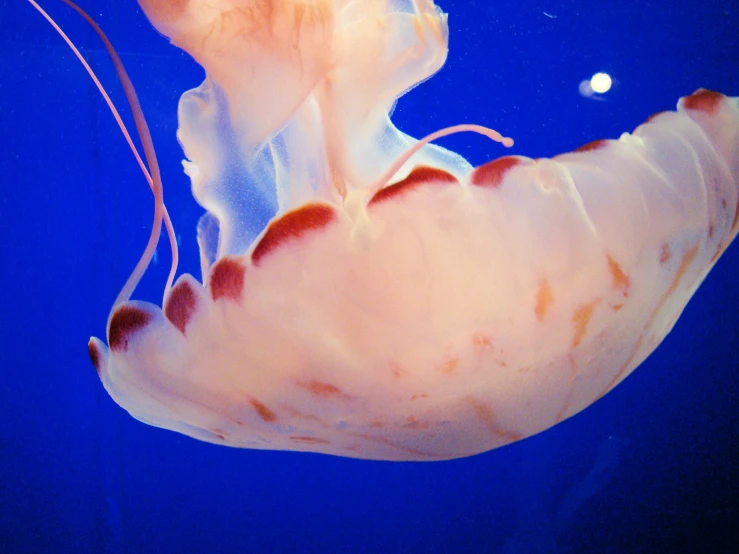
(401, 304)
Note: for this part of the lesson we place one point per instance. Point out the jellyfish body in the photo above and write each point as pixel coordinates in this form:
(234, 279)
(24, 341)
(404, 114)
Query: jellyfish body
(453, 311)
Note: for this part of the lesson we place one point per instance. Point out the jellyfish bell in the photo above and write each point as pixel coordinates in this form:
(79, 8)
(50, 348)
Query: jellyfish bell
(400, 304)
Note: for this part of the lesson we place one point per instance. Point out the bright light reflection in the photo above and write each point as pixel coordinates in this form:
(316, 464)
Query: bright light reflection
(601, 83)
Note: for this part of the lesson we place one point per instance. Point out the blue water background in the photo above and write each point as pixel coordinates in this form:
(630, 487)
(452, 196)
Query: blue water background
(652, 467)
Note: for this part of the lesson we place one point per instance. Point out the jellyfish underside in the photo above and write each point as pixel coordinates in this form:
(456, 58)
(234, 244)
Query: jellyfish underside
(449, 312)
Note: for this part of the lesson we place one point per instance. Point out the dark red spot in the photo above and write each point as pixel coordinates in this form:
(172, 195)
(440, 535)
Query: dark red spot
(291, 226)
(180, 305)
(124, 324)
(94, 352)
(595, 145)
(491, 174)
(418, 177)
(227, 279)
(264, 412)
(703, 100)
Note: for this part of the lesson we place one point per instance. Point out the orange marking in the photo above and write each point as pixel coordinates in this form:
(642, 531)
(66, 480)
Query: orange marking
(300, 415)
(481, 341)
(544, 300)
(450, 366)
(322, 389)
(310, 440)
(485, 414)
(264, 412)
(685, 262)
(397, 370)
(620, 281)
(581, 320)
(415, 423)
(417, 396)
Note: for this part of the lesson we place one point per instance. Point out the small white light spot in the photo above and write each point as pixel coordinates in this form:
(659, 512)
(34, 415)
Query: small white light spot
(601, 83)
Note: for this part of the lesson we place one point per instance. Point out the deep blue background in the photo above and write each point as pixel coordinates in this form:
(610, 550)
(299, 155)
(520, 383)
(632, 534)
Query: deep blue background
(652, 467)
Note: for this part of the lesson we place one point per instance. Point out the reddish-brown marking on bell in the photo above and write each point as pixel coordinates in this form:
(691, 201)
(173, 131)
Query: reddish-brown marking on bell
(264, 412)
(94, 352)
(664, 254)
(300, 415)
(418, 177)
(685, 263)
(620, 280)
(227, 279)
(616, 307)
(581, 319)
(180, 305)
(377, 423)
(414, 423)
(397, 370)
(590, 146)
(490, 175)
(417, 396)
(310, 440)
(703, 100)
(481, 341)
(292, 225)
(125, 322)
(486, 415)
(449, 366)
(322, 389)
(544, 299)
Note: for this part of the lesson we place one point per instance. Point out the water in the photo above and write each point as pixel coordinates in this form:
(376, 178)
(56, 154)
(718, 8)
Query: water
(652, 467)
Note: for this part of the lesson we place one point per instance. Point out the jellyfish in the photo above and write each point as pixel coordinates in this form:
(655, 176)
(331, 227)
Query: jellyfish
(369, 295)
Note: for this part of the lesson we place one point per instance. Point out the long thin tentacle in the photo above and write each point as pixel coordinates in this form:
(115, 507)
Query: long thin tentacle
(154, 179)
